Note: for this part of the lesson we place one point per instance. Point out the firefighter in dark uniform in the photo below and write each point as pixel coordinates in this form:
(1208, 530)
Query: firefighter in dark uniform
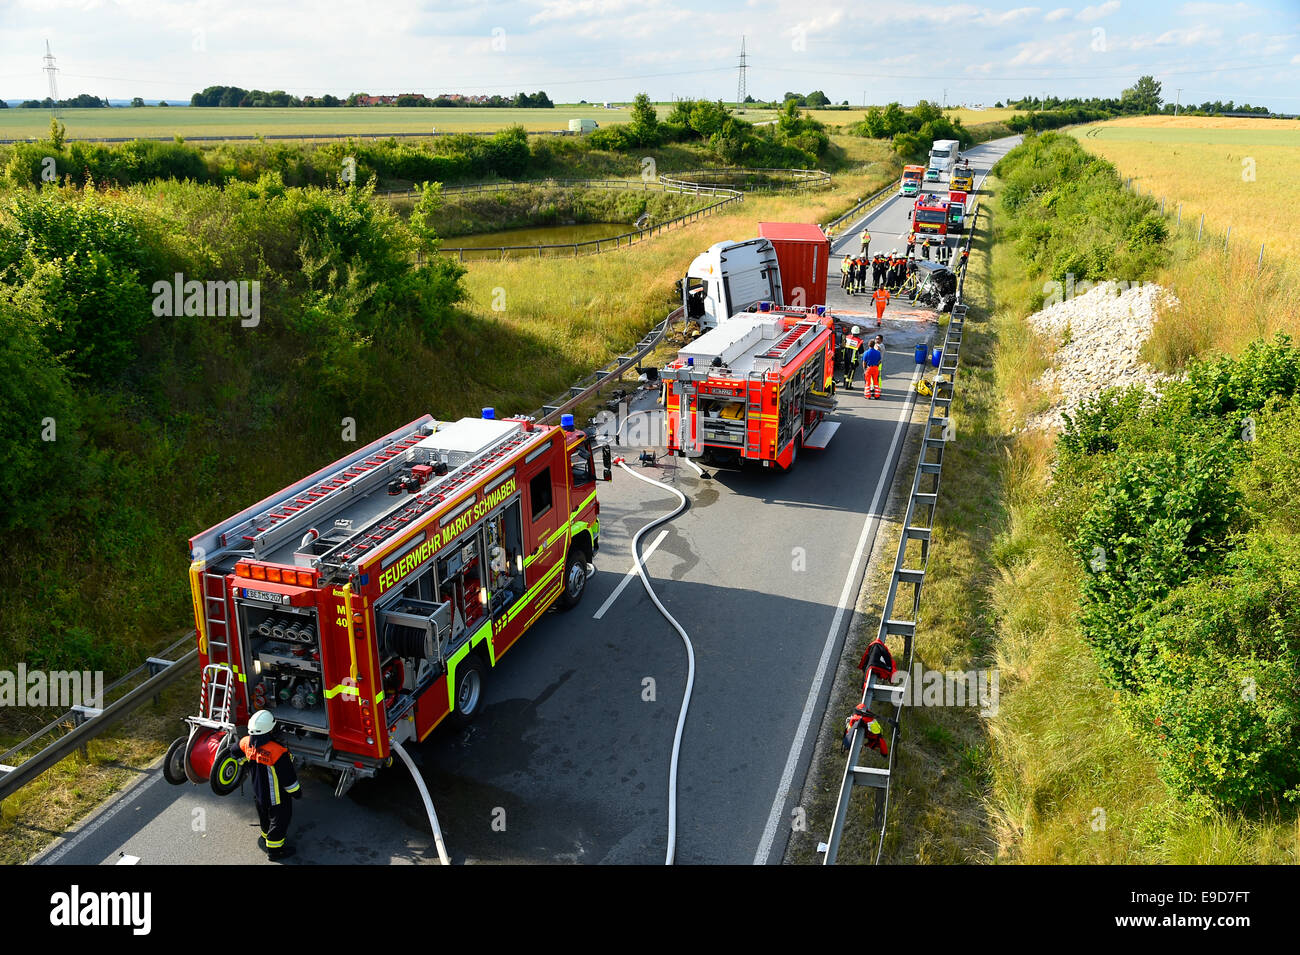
(275, 784)
(852, 355)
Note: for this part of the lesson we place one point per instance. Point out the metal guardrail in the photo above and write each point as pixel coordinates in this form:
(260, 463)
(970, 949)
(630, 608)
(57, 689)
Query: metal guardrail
(900, 619)
(581, 390)
(88, 724)
(830, 227)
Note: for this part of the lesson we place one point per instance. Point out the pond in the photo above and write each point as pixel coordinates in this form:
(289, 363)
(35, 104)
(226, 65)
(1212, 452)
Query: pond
(489, 244)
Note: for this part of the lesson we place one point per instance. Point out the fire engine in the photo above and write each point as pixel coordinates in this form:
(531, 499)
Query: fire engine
(364, 604)
(930, 215)
(756, 388)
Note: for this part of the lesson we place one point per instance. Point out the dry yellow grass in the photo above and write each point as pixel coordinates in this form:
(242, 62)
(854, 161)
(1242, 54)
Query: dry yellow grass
(1240, 173)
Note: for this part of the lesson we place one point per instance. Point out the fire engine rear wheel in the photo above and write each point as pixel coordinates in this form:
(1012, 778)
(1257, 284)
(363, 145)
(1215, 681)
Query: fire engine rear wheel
(575, 579)
(173, 766)
(469, 690)
(227, 768)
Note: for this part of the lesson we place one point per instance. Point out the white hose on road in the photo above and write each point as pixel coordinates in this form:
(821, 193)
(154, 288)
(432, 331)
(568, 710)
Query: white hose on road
(428, 803)
(690, 651)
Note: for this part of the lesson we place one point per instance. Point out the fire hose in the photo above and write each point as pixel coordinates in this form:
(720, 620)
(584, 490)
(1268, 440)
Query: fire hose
(690, 651)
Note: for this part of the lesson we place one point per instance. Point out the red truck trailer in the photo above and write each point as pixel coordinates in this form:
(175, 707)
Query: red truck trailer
(803, 255)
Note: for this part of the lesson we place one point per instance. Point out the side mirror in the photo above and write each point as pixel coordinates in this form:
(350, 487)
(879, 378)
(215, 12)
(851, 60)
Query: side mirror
(607, 462)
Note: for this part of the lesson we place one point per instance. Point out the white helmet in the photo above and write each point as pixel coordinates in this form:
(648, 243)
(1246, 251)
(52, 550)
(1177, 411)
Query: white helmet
(856, 331)
(261, 723)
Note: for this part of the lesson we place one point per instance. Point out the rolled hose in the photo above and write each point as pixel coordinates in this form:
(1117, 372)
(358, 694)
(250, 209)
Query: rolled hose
(690, 651)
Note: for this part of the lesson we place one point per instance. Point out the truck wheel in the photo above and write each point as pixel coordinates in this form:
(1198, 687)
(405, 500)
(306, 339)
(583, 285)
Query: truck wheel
(575, 579)
(469, 691)
(227, 768)
(173, 767)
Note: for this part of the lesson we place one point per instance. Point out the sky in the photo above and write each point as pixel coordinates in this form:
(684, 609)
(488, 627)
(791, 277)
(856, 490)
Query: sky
(606, 50)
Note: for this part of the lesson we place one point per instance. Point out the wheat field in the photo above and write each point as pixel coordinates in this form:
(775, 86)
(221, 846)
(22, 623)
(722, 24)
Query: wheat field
(1240, 173)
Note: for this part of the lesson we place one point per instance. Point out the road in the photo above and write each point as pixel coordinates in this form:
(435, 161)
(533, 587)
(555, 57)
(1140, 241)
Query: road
(569, 760)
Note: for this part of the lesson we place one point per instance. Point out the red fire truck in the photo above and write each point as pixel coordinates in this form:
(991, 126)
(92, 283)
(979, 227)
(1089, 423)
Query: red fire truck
(756, 388)
(930, 215)
(364, 604)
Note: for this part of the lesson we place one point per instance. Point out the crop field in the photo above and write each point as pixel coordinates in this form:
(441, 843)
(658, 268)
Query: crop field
(1238, 172)
(336, 122)
(153, 121)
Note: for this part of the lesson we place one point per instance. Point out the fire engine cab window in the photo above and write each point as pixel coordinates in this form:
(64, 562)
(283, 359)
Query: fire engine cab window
(584, 472)
(539, 492)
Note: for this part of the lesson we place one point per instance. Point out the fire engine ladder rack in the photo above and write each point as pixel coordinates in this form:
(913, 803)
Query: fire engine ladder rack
(348, 552)
(791, 343)
(899, 615)
(291, 516)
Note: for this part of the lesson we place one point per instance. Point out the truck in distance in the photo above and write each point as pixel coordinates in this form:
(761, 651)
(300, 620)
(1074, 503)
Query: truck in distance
(910, 185)
(943, 156)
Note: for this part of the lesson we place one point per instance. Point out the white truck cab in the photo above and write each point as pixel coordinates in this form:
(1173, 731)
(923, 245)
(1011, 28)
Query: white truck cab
(728, 278)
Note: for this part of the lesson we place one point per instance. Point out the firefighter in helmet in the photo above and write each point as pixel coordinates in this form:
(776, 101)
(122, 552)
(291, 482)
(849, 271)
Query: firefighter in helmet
(275, 784)
(852, 351)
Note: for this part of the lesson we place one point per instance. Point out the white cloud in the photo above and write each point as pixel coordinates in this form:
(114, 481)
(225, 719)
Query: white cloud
(1216, 10)
(1088, 14)
(1060, 13)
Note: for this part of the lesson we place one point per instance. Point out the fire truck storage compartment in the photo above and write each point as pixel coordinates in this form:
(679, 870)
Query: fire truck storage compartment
(722, 419)
(284, 646)
(803, 253)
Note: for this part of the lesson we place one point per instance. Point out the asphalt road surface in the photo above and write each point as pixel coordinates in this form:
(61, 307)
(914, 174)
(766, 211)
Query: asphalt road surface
(569, 759)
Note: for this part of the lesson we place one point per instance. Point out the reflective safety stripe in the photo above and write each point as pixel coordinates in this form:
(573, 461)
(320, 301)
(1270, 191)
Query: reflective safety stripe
(345, 690)
(275, 785)
(273, 843)
(293, 788)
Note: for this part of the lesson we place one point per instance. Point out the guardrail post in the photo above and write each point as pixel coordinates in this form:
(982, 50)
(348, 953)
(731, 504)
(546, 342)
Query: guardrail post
(1225, 238)
(80, 715)
(1260, 264)
(1179, 222)
(1200, 227)
(156, 666)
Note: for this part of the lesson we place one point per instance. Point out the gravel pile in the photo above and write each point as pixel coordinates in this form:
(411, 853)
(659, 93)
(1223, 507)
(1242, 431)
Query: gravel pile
(1098, 336)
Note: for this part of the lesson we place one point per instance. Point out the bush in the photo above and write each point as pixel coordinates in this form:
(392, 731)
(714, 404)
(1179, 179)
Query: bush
(1219, 707)
(1155, 522)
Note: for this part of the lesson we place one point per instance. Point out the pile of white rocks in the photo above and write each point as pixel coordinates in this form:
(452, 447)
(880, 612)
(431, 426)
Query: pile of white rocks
(1098, 335)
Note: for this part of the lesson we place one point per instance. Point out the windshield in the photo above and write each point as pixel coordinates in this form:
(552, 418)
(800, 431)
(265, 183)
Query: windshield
(929, 215)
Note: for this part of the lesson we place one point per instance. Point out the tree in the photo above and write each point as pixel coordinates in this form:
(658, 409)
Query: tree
(817, 98)
(643, 130)
(163, 103)
(57, 133)
(1142, 97)
(137, 101)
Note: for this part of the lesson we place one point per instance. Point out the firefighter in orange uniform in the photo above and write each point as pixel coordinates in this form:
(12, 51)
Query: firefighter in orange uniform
(881, 295)
(275, 784)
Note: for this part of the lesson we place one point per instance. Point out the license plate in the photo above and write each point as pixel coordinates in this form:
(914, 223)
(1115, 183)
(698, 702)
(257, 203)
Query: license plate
(251, 594)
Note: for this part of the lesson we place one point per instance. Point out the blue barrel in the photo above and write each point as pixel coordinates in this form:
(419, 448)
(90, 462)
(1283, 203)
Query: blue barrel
(936, 356)
(920, 353)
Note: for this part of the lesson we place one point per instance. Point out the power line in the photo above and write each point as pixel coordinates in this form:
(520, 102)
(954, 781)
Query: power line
(50, 71)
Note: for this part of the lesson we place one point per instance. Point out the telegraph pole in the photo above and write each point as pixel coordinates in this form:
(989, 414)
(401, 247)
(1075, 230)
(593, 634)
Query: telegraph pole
(740, 86)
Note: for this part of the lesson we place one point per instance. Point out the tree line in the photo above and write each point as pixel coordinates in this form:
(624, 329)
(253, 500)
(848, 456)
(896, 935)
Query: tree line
(235, 96)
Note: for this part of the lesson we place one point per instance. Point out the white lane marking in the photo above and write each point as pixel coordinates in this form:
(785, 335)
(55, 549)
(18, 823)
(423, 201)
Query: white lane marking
(127, 860)
(814, 691)
(116, 804)
(627, 578)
